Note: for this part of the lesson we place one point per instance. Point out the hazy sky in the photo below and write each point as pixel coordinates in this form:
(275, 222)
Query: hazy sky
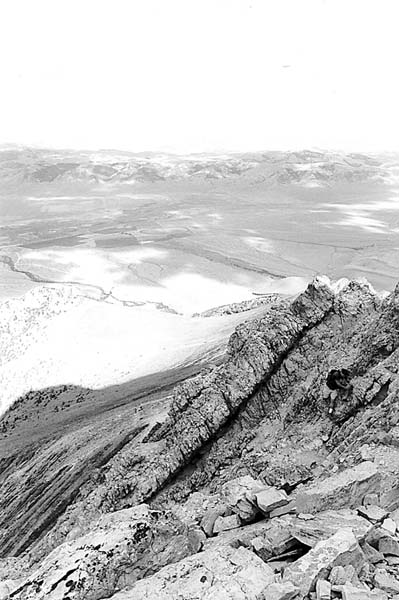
(200, 74)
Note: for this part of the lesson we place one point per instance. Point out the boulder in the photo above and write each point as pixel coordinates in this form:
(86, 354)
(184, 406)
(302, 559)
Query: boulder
(386, 582)
(326, 523)
(344, 489)
(217, 574)
(196, 538)
(239, 495)
(340, 549)
(389, 545)
(372, 512)
(226, 523)
(270, 499)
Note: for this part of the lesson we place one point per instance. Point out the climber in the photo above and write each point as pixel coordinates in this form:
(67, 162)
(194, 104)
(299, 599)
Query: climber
(338, 380)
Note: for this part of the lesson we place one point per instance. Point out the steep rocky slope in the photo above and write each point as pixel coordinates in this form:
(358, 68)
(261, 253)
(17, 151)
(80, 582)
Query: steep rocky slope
(254, 450)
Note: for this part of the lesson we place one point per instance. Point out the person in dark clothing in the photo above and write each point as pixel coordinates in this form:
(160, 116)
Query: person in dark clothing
(338, 381)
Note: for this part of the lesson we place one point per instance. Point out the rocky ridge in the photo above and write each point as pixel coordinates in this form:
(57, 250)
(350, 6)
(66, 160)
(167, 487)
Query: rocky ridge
(256, 482)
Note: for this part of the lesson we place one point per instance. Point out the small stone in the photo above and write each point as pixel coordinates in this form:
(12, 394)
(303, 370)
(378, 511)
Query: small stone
(323, 589)
(375, 534)
(389, 525)
(365, 572)
(270, 499)
(278, 566)
(392, 561)
(226, 523)
(306, 516)
(388, 545)
(337, 576)
(280, 591)
(372, 512)
(386, 582)
(350, 574)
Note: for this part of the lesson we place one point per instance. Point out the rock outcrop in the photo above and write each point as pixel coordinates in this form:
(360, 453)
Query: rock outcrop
(256, 472)
(120, 548)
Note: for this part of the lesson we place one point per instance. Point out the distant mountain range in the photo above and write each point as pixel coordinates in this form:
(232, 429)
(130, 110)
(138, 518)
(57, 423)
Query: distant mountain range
(309, 168)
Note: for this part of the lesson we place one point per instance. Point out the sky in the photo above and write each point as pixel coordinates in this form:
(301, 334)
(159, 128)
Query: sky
(200, 75)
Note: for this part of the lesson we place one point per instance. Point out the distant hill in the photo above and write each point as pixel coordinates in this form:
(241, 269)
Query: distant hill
(309, 168)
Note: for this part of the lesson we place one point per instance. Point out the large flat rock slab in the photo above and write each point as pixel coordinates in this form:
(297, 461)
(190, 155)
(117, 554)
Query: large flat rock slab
(325, 524)
(340, 549)
(346, 488)
(212, 575)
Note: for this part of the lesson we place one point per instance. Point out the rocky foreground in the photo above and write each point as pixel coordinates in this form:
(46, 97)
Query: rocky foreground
(248, 481)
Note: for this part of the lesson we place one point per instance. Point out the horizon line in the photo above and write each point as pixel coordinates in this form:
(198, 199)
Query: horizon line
(215, 152)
